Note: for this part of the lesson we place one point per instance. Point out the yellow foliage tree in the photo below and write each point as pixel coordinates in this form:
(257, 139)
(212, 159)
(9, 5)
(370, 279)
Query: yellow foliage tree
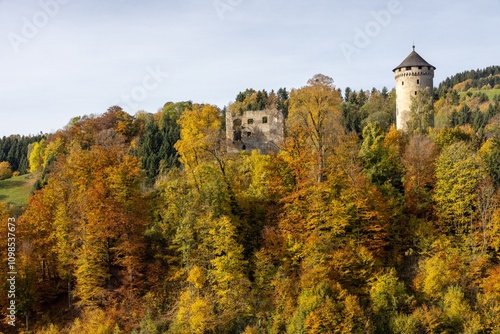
(36, 156)
(5, 170)
(94, 321)
(201, 137)
(458, 172)
(194, 315)
(456, 308)
(440, 271)
(314, 115)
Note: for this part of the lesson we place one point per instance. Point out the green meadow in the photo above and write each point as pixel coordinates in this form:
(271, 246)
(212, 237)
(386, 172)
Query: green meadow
(16, 190)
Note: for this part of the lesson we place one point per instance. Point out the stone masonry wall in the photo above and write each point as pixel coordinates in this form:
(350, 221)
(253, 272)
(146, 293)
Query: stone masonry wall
(408, 82)
(262, 129)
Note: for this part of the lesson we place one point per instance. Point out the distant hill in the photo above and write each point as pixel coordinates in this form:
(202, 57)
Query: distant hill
(471, 97)
(487, 78)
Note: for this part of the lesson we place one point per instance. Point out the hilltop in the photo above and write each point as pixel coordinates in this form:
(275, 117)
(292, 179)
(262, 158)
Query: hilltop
(470, 97)
(486, 78)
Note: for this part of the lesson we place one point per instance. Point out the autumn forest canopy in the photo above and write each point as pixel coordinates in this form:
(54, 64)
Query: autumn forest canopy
(146, 224)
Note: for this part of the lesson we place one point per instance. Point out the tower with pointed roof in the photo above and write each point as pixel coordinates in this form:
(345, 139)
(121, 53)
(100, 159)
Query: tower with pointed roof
(413, 74)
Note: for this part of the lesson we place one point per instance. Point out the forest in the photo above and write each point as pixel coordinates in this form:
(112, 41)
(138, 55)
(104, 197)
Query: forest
(145, 224)
(479, 78)
(14, 151)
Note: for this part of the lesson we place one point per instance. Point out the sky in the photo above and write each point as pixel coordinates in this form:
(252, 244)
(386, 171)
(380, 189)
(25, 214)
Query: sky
(65, 58)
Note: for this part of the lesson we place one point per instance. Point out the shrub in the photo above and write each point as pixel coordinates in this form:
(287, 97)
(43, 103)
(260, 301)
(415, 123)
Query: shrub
(5, 170)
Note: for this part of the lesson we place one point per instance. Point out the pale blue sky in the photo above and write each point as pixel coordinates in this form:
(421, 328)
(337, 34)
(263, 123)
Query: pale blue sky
(65, 58)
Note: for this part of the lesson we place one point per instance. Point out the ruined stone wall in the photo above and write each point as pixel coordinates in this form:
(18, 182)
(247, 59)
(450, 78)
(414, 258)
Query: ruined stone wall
(262, 129)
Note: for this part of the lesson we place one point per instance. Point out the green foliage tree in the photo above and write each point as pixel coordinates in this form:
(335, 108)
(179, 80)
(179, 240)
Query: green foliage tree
(283, 101)
(455, 306)
(388, 297)
(421, 112)
(380, 108)
(156, 143)
(491, 155)
(381, 155)
(15, 150)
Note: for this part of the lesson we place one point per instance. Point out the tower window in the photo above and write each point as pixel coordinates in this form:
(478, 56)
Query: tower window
(402, 83)
(264, 119)
(420, 67)
(429, 68)
(418, 81)
(408, 68)
(250, 121)
(415, 92)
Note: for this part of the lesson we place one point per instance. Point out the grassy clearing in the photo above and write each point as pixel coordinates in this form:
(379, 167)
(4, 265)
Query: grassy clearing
(491, 93)
(16, 190)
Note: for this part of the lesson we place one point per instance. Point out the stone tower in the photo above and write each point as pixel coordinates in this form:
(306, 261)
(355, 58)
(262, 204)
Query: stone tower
(412, 74)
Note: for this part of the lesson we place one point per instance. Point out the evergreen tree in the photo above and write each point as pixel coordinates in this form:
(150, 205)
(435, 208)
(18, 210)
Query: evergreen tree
(156, 144)
(14, 149)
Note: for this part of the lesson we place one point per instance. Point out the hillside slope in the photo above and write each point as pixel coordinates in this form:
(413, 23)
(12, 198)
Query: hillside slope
(16, 190)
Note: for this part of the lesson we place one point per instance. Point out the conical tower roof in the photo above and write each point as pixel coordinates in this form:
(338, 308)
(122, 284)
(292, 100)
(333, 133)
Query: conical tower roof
(413, 59)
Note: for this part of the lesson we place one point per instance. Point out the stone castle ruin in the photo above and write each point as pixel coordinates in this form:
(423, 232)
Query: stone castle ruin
(249, 130)
(264, 129)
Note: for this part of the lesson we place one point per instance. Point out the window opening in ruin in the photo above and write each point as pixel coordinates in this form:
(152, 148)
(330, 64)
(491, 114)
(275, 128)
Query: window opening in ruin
(236, 135)
(250, 121)
(264, 119)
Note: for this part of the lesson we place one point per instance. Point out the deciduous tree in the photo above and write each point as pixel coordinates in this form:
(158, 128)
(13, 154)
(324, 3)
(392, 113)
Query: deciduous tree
(421, 112)
(419, 161)
(314, 113)
(458, 171)
(5, 170)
